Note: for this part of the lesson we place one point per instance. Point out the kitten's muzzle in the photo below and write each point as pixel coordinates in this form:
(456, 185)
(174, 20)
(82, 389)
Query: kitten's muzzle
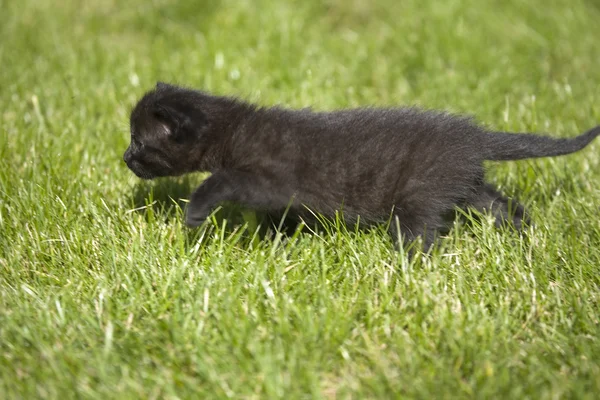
(128, 156)
(136, 166)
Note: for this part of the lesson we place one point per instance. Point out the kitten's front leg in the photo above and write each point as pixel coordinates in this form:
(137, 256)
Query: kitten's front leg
(234, 186)
(214, 190)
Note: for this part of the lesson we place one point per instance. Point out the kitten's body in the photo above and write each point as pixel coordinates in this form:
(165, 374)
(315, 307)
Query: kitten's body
(368, 163)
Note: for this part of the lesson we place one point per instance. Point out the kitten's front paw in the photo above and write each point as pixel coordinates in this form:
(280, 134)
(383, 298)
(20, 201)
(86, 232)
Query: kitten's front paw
(194, 222)
(193, 219)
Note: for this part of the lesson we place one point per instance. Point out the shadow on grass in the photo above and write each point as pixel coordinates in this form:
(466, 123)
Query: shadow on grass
(163, 196)
(166, 199)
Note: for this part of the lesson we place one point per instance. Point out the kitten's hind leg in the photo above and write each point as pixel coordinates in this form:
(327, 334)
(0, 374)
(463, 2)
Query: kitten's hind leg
(406, 232)
(488, 199)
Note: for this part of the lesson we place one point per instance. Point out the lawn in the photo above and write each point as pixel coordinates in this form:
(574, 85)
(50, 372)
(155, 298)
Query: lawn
(105, 294)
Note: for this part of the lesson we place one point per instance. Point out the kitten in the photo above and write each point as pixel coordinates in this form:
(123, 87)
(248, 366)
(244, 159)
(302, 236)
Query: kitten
(368, 163)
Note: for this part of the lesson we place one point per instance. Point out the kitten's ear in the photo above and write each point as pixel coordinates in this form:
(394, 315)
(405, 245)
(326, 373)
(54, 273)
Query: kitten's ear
(162, 85)
(176, 122)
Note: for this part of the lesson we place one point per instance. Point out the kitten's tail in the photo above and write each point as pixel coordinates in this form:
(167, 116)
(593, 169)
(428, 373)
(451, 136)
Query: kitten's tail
(503, 146)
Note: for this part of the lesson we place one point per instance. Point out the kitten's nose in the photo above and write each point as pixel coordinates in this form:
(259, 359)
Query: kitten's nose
(127, 156)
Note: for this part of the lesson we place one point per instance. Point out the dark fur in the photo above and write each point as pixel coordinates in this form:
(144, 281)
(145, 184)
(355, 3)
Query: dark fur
(368, 163)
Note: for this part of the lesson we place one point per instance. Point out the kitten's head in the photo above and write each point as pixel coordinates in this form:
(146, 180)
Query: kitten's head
(170, 132)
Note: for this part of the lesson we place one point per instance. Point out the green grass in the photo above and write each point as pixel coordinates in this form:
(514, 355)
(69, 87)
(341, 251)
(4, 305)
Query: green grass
(104, 294)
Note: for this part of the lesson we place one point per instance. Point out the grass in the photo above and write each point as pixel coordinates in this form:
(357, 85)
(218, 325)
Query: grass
(104, 294)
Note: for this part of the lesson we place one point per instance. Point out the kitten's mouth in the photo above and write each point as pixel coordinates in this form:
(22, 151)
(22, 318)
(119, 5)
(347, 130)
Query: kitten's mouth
(140, 171)
(144, 174)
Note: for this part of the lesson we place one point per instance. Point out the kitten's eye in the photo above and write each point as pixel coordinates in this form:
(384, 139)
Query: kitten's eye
(137, 144)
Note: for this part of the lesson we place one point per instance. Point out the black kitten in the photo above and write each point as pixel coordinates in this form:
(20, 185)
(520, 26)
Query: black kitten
(367, 163)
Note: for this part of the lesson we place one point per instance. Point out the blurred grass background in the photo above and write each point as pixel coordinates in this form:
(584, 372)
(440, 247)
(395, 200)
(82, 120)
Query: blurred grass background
(104, 294)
